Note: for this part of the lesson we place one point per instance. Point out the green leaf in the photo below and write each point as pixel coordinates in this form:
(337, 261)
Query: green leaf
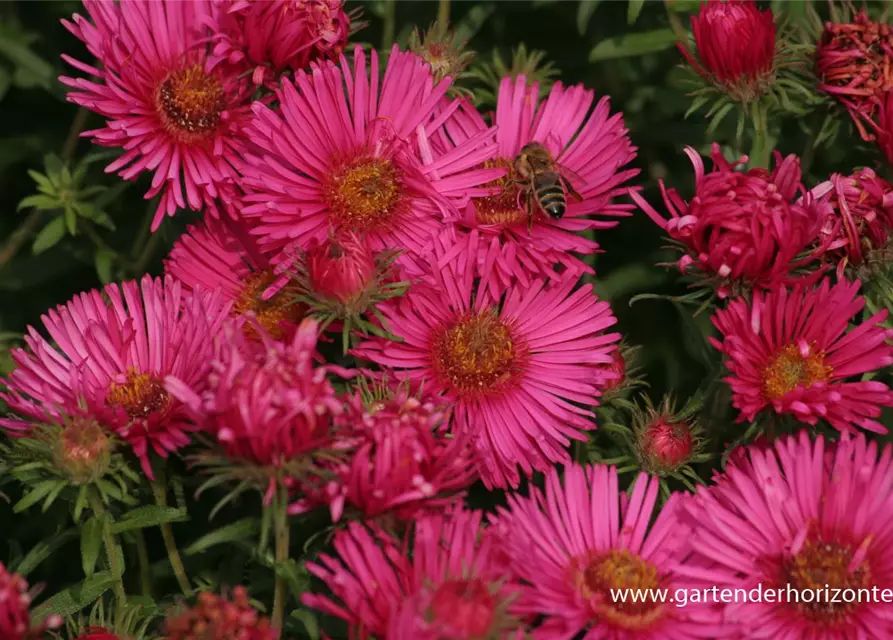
(148, 516)
(71, 220)
(91, 212)
(49, 236)
(584, 13)
(42, 181)
(39, 201)
(239, 530)
(38, 493)
(54, 166)
(76, 597)
(5, 82)
(27, 61)
(634, 44)
(104, 260)
(309, 621)
(633, 9)
(43, 550)
(91, 542)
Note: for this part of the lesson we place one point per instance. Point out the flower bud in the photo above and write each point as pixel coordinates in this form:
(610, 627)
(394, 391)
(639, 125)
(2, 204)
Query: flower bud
(735, 44)
(218, 617)
(341, 269)
(443, 50)
(666, 445)
(82, 450)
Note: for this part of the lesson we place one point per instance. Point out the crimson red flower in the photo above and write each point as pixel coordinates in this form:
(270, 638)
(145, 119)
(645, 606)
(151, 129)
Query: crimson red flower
(860, 218)
(15, 619)
(218, 617)
(854, 63)
(341, 268)
(884, 125)
(735, 47)
(743, 227)
(97, 633)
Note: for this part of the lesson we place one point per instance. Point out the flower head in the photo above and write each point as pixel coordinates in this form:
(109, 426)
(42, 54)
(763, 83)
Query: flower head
(735, 47)
(82, 450)
(573, 545)
(214, 616)
(112, 358)
(214, 255)
(98, 633)
(665, 441)
(793, 353)
(347, 153)
(444, 50)
(801, 515)
(742, 228)
(341, 268)
(275, 36)
(522, 369)
(884, 125)
(590, 146)
(455, 583)
(15, 619)
(854, 63)
(172, 113)
(860, 220)
(402, 461)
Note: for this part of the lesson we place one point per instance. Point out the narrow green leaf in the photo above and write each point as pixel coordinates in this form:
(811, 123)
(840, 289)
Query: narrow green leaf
(584, 14)
(49, 236)
(633, 9)
(43, 550)
(54, 166)
(42, 181)
(634, 44)
(27, 60)
(91, 541)
(104, 260)
(309, 621)
(239, 530)
(71, 220)
(39, 201)
(34, 496)
(91, 212)
(148, 516)
(76, 597)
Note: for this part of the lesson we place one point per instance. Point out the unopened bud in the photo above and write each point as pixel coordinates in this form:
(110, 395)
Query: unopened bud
(83, 450)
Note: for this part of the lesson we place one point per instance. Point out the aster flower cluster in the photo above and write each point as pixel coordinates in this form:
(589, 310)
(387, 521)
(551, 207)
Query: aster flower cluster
(380, 350)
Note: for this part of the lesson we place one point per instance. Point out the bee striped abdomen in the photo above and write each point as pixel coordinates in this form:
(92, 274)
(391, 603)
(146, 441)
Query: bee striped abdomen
(552, 200)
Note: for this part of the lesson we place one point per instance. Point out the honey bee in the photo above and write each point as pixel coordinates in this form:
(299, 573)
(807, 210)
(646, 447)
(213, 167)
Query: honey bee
(543, 182)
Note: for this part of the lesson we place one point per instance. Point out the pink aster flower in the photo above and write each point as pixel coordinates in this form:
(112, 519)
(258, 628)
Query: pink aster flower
(15, 618)
(215, 255)
(742, 227)
(802, 515)
(173, 114)
(455, 583)
(279, 35)
(583, 538)
(794, 353)
(591, 147)
(523, 368)
(350, 153)
(402, 462)
(97, 633)
(266, 403)
(860, 220)
(113, 357)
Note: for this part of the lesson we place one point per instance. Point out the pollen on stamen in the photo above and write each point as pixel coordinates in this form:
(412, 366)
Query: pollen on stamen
(502, 207)
(365, 194)
(271, 314)
(190, 103)
(140, 396)
(788, 369)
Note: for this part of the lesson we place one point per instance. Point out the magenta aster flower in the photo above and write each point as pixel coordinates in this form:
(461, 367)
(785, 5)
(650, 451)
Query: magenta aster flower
(742, 227)
(97, 633)
(523, 369)
(348, 153)
(280, 35)
(15, 618)
(793, 352)
(266, 402)
(581, 539)
(591, 147)
(454, 585)
(402, 461)
(802, 515)
(113, 358)
(164, 105)
(214, 255)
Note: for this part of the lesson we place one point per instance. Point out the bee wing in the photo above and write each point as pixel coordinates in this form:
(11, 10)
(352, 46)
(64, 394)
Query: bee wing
(566, 176)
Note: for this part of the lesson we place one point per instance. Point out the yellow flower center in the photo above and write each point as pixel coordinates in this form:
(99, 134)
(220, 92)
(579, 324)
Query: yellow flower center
(788, 369)
(140, 396)
(501, 208)
(476, 354)
(270, 314)
(190, 103)
(365, 194)
(596, 576)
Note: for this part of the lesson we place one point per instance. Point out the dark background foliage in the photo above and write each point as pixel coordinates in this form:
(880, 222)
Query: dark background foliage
(646, 85)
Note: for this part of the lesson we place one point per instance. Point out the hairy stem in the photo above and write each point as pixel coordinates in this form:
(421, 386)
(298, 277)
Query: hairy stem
(159, 489)
(111, 550)
(281, 533)
(443, 12)
(390, 22)
(761, 146)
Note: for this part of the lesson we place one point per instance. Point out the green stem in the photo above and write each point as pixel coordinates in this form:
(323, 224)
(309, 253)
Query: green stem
(111, 550)
(390, 24)
(143, 261)
(281, 532)
(443, 12)
(159, 489)
(761, 147)
(145, 568)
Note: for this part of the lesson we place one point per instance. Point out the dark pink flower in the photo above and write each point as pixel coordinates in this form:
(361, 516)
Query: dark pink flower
(114, 356)
(15, 617)
(218, 617)
(97, 633)
(793, 352)
(742, 227)
(800, 515)
(171, 113)
(341, 268)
